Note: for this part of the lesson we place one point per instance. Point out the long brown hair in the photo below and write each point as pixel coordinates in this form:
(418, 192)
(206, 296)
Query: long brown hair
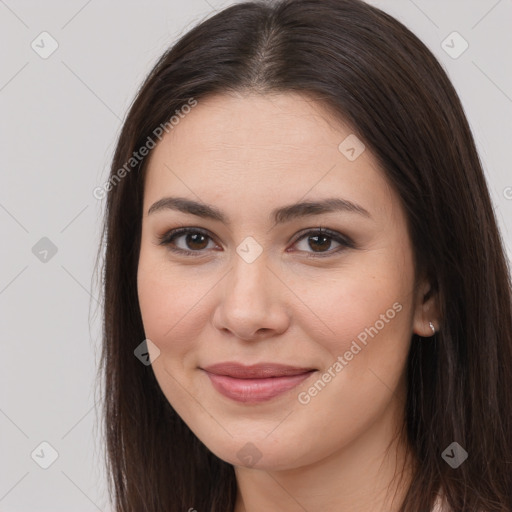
(374, 74)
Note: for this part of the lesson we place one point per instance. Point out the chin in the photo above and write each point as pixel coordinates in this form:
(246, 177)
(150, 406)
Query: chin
(263, 455)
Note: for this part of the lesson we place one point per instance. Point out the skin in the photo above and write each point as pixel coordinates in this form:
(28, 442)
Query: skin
(247, 154)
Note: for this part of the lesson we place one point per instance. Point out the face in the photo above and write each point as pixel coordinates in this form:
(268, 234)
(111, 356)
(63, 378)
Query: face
(251, 287)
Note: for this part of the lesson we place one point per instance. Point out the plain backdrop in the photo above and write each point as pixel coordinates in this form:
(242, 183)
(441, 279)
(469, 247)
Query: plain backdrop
(60, 118)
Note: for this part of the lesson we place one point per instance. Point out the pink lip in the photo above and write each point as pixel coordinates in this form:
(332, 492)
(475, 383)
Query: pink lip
(256, 383)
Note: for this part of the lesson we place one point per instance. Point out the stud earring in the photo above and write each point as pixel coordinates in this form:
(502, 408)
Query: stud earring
(433, 328)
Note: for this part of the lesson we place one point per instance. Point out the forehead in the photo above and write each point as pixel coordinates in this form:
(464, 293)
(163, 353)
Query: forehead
(259, 122)
(276, 145)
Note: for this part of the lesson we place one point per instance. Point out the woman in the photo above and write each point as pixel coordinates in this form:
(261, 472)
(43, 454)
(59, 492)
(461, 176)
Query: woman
(307, 302)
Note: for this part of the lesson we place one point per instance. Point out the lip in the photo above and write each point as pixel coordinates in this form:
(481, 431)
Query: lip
(255, 383)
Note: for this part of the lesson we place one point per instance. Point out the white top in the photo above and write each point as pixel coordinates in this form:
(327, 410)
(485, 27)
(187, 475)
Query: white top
(440, 505)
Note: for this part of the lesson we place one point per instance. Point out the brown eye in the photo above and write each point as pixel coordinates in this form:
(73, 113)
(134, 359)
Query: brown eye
(194, 241)
(320, 241)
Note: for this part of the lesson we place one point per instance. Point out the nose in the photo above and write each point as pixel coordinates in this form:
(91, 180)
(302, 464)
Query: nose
(252, 301)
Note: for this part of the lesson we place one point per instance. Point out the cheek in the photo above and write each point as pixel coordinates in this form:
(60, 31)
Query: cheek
(172, 305)
(364, 301)
(157, 308)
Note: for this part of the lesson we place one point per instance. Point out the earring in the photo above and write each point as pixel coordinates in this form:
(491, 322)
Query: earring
(433, 328)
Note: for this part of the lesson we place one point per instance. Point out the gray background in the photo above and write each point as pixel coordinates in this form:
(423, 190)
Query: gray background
(60, 120)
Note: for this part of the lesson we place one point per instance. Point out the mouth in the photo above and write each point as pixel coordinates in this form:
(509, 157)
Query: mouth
(256, 383)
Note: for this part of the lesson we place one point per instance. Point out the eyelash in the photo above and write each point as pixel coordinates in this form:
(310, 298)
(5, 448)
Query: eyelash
(168, 238)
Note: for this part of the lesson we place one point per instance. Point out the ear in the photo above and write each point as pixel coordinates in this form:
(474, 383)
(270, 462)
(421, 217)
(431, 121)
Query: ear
(426, 310)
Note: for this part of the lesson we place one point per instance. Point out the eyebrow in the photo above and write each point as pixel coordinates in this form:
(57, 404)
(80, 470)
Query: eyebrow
(279, 215)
